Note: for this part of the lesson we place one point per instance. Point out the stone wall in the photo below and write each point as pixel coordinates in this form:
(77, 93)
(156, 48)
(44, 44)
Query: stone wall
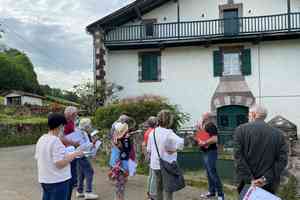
(295, 162)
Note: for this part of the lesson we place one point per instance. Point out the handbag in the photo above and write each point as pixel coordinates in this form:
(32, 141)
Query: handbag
(172, 175)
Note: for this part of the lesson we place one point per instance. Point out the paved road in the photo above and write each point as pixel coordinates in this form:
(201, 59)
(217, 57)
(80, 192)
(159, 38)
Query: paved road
(19, 179)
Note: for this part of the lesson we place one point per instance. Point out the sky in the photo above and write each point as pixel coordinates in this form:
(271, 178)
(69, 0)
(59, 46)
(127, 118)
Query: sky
(52, 33)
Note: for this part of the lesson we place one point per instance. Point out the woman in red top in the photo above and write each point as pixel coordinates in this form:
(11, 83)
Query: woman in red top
(150, 124)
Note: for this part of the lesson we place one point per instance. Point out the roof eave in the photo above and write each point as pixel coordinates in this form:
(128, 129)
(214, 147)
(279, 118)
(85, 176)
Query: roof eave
(125, 14)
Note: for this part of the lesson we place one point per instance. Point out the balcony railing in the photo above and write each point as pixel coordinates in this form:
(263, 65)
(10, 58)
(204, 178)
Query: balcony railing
(204, 29)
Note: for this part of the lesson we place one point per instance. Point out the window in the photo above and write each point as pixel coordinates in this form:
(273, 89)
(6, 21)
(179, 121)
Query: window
(14, 100)
(149, 66)
(233, 61)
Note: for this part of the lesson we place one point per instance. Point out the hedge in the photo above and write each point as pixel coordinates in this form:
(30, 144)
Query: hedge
(140, 109)
(1, 100)
(21, 134)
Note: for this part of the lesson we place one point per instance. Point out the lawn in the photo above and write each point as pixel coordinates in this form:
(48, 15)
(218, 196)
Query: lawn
(9, 119)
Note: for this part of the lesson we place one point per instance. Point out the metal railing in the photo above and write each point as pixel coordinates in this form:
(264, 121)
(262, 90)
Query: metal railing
(206, 28)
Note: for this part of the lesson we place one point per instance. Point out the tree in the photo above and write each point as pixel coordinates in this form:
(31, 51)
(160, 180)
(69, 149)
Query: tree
(17, 72)
(88, 95)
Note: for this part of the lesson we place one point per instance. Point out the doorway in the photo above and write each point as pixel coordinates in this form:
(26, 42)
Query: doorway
(231, 22)
(228, 119)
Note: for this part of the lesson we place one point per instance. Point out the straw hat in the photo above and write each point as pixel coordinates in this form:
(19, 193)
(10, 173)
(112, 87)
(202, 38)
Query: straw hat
(120, 129)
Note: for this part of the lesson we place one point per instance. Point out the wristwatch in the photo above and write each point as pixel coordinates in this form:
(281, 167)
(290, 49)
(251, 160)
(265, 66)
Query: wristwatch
(264, 180)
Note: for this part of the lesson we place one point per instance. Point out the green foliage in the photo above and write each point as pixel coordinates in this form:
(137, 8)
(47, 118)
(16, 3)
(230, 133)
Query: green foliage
(88, 95)
(19, 140)
(1, 100)
(17, 72)
(289, 191)
(61, 101)
(138, 108)
(10, 119)
(17, 133)
(60, 94)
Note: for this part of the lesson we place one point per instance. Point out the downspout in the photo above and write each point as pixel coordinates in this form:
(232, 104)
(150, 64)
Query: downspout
(259, 73)
(178, 19)
(289, 14)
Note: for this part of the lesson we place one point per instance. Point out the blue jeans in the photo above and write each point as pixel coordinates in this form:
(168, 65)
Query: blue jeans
(56, 191)
(210, 159)
(73, 181)
(85, 171)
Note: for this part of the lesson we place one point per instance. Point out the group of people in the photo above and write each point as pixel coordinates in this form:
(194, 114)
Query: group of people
(260, 154)
(63, 156)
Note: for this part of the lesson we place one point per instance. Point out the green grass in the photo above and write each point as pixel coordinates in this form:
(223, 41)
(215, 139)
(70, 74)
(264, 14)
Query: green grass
(9, 119)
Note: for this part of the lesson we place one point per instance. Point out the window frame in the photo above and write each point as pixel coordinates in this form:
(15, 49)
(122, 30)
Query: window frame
(140, 73)
(232, 49)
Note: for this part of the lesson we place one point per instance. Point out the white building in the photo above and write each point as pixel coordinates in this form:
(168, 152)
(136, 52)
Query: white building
(205, 55)
(22, 98)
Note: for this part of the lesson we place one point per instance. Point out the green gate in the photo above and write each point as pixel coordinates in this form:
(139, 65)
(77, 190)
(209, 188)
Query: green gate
(193, 161)
(228, 118)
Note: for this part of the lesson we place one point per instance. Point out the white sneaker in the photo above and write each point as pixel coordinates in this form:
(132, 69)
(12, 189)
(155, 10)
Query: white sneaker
(90, 195)
(79, 195)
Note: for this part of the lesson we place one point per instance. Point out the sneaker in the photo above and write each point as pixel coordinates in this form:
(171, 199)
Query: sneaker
(207, 195)
(79, 194)
(221, 197)
(90, 195)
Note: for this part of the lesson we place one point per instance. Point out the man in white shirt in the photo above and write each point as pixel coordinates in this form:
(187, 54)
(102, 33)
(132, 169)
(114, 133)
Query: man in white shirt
(168, 143)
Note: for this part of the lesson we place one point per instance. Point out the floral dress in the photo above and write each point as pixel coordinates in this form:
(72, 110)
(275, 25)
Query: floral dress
(120, 154)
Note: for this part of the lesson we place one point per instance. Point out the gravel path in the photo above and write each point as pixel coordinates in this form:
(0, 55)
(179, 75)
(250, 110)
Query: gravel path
(19, 179)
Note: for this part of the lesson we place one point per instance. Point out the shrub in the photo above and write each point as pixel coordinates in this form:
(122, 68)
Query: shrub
(1, 100)
(140, 109)
(289, 190)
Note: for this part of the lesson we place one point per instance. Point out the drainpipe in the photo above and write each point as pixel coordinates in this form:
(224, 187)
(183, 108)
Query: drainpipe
(178, 19)
(289, 14)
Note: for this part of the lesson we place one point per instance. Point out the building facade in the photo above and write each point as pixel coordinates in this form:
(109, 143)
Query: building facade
(19, 98)
(205, 55)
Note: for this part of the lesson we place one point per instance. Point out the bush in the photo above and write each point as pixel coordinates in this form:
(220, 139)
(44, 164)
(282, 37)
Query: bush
(15, 134)
(289, 190)
(140, 109)
(1, 100)
(19, 140)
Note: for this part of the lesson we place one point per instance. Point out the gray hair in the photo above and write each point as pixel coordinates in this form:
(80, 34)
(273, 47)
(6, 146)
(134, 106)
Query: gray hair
(70, 110)
(152, 122)
(85, 124)
(260, 111)
(123, 118)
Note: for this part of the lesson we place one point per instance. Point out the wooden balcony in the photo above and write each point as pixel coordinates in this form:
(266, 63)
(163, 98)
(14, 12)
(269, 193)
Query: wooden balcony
(218, 30)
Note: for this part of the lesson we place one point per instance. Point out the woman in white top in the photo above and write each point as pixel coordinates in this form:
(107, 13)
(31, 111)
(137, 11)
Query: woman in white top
(53, 163)
(168, 143)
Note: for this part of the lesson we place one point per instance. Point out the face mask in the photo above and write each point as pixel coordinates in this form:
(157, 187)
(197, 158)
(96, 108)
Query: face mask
(61, 130)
